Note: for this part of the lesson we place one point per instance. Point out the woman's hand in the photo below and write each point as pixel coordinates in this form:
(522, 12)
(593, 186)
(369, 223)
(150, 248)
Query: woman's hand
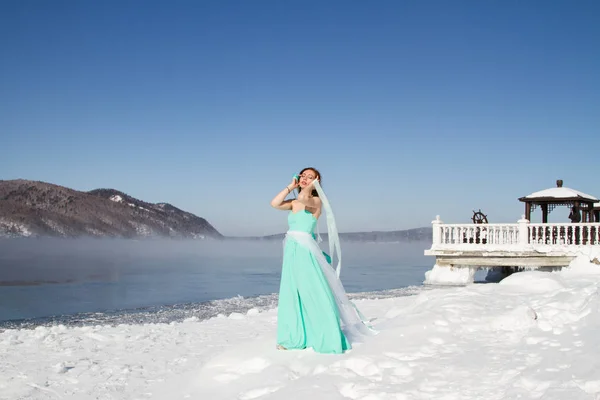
(294, 184)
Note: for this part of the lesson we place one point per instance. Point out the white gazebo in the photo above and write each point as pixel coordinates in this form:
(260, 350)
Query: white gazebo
(548, 199)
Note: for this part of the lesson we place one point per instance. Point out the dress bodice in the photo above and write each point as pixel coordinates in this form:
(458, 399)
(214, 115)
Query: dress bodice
(302, 221)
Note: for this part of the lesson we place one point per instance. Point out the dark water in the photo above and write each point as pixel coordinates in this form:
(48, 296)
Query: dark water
(119, 281)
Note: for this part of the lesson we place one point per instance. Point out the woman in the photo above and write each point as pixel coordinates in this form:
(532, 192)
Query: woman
(313, 309)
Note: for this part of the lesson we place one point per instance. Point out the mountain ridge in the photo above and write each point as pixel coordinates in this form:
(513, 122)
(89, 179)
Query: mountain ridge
(35, 209)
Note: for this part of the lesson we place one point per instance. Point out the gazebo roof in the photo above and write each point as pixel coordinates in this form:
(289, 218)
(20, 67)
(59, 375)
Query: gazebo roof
(558, 194)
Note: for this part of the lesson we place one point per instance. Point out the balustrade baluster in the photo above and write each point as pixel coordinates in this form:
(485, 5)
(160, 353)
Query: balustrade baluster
(530, 234)
(545, 235)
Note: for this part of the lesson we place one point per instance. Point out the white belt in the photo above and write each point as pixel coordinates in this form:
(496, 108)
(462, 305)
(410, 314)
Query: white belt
(298, 233)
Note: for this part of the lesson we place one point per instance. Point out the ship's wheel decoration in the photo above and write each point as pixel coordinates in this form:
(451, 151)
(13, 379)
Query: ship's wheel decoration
(479, 217)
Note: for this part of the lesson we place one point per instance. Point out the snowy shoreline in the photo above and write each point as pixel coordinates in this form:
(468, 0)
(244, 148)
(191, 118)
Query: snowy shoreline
(531, 336)
(180, 312)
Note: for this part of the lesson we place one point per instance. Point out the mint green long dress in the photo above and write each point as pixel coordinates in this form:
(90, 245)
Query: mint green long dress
(307, 315)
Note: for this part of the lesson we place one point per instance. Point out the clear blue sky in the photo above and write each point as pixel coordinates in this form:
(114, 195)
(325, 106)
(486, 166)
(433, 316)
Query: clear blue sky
(409, 108)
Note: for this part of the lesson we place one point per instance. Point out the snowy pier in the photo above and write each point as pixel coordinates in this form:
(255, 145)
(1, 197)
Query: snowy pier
(520, 244)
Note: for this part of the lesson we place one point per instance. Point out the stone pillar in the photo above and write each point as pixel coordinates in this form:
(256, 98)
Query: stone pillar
(437, 232)
(523, 231)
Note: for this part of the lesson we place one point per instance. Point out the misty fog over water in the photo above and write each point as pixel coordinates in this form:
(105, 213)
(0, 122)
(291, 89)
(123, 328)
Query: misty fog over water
(53, 277)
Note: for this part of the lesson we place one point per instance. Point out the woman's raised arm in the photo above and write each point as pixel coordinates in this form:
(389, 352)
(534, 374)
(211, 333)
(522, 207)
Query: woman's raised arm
(279, 201)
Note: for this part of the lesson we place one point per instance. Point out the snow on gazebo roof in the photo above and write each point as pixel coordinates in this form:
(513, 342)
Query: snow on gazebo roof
(559, 193)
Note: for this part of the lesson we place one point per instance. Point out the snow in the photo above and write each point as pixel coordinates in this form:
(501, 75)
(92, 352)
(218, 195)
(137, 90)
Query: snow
(531, 336)
(141, 229)
(116, 198)
(450, 275)
(12, 229)
(535, 281)
(93, 231)
(561, 193)
(586, 262)
(54, 226)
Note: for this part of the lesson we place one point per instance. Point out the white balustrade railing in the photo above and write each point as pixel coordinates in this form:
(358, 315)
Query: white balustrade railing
(479, 234)
(579, 234)
(521, 234)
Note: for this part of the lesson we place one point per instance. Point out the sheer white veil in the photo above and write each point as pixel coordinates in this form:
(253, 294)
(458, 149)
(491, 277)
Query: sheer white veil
(332, 232)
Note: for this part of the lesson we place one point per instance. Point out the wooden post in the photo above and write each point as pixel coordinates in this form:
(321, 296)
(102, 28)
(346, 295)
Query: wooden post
(589, 213)
(528, 211)
(544, 213)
